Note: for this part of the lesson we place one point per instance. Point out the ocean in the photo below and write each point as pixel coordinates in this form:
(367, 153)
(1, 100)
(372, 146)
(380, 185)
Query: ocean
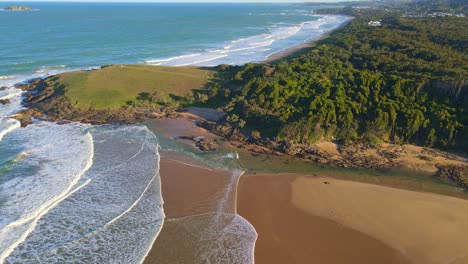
(92, 194)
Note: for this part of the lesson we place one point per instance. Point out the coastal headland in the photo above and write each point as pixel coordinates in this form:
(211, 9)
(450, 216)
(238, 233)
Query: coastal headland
(290, 212)
(365, 178)
(130, 94)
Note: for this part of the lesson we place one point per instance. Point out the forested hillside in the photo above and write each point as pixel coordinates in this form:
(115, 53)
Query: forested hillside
(404, 82)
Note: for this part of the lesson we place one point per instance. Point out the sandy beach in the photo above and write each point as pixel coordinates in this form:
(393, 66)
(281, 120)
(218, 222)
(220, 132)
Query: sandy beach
(296, 49)
(190, 197)
(199, 202)
(304, 219)
(298, 218)
(287, 234)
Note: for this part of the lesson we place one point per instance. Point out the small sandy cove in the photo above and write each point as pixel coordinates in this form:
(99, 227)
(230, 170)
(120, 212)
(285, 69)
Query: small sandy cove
(307, 219)
(311, 219)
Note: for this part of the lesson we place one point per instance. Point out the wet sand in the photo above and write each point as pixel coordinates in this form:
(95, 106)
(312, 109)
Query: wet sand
(287, 234)
(200, 223)
(300, 219)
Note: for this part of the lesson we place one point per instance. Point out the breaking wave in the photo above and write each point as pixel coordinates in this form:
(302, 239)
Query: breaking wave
(258, 47)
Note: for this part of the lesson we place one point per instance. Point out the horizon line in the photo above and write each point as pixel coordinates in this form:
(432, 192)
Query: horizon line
(184, 1)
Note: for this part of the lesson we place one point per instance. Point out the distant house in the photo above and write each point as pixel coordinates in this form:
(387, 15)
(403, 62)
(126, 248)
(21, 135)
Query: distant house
(375, 23)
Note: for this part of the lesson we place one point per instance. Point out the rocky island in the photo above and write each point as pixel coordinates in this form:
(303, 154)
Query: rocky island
(17, 8)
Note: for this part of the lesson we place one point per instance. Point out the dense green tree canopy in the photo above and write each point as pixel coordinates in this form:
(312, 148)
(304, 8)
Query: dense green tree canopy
(406, 81)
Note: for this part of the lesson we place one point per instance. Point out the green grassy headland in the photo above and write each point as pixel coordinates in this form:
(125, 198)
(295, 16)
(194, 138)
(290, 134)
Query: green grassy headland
(118, 85)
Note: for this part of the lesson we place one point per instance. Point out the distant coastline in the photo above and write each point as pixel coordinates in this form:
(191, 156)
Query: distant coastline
(296, 50)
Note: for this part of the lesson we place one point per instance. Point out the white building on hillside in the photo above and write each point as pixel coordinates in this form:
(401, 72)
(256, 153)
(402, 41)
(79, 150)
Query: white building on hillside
(375, 23)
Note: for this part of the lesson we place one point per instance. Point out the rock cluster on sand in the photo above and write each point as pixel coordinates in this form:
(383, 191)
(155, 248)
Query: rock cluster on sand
(206, 144)
(349, 155)
(455, 173)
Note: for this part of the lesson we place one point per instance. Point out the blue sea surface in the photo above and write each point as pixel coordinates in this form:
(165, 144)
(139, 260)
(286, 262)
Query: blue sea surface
(81, 35)
(91, 194)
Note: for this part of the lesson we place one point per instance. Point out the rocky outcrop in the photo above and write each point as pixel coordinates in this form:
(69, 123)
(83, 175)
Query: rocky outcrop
(53, 105)
(349, 156)
(206, 144)
(224, 130)
(4, 101)
(49, 103)
(454, 173)
(25, 116)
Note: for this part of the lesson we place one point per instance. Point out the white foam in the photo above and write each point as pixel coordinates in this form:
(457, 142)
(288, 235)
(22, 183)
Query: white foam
(8, 126)
(63, 155)
(172, 58)
(215, 238)
(150, 245)
(50, 69)
(202, 60)
(10, 95)
(116, 213)
(231, 155)
(250, 49)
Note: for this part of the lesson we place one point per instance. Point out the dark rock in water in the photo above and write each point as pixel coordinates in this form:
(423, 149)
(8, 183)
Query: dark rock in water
(3, 88)
(25, 120)
(25, 116)
(206, 144)
(4, 101)
(191, 138)
(31, 112)
(63, 122)
(31, 85)
(454, 173)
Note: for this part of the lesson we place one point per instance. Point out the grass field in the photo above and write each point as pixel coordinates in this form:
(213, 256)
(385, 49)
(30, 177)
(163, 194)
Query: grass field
(113, 86)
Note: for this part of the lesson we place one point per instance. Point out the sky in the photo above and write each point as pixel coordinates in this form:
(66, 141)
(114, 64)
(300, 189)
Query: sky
(265, 1)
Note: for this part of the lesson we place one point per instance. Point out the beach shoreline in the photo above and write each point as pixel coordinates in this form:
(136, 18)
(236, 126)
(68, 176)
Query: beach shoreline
(291, 210)
(45, 103)
(198, 218)
(293, 51)
(287, 225)
(205, 206)
(227, 192)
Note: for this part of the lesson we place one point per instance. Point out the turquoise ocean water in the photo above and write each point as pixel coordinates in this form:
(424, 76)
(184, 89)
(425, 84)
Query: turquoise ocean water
(91, 194)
